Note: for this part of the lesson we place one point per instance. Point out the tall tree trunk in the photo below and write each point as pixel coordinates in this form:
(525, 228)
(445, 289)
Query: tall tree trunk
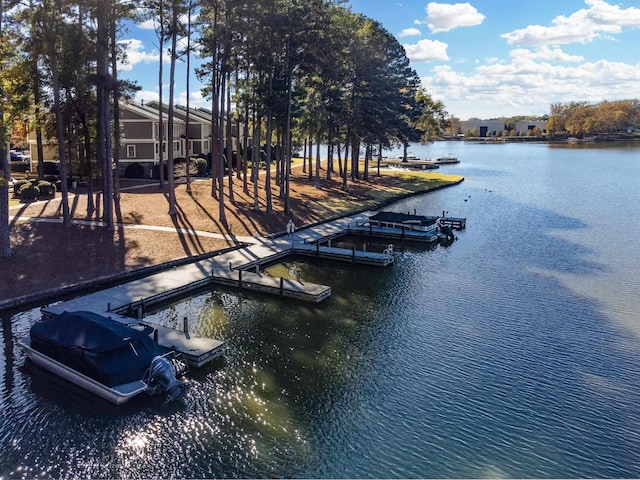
(304, 157)
(355, 159)
(317, 180)
(367, 157)
(161, 139)
(245, 151)
(116, 115)
(187, 150)
(215, 132)
(229, 140)
(310, 157)
(104, 118)
(170, 131)
(222, 216)
(62, 154)
(345, 171)
(5, 234)
(255, 154)
(268, 150)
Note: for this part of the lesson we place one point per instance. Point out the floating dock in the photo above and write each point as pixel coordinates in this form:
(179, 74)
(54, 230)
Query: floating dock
(240, 269)
(197, 351)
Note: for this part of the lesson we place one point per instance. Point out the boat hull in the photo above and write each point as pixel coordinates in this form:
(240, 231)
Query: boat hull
(117, 394)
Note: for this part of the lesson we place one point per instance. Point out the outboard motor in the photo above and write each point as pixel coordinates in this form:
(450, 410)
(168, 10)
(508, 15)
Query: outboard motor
(162, 377)
(446, 230)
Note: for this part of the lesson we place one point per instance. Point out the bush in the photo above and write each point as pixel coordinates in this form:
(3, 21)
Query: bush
(29, 192)
(18, 185)
(47, 189)
(20, 167)
(134, 170)
(155, 171)
(202, 166)
(50, 168)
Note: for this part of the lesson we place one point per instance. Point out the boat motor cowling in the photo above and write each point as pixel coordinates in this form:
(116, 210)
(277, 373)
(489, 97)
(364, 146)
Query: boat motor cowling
(162, 377)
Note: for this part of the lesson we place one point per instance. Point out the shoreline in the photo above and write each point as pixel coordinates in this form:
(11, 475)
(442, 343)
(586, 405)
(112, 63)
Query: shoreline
(15, 304)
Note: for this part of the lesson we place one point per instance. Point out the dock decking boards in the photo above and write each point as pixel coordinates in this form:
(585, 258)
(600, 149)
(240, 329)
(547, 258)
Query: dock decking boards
(235, 269)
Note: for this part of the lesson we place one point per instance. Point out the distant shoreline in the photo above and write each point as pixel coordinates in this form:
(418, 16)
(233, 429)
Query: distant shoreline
(603, 138)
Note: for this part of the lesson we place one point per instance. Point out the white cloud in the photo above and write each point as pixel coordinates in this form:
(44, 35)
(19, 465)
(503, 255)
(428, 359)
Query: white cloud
(135, 54)
(545, 53)
(147, 25)
(195, 99)
(426, 50)
(409, 32)
(442, 17)
(146, 96)
(598, 21)
(526, 86)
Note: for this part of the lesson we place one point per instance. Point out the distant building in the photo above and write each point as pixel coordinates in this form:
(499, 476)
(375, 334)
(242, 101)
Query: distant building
(524, 128)
(483, 128)
(140, 140)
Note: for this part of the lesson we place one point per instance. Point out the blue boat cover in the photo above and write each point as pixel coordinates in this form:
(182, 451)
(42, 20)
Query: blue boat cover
(99, 347)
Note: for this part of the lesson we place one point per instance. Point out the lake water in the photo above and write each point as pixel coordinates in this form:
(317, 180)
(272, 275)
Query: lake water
(514, 352)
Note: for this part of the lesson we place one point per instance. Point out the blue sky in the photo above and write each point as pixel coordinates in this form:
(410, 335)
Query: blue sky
(483, 58)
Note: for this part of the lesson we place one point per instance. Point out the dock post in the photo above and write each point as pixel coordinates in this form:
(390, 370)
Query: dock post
(239, 278)
(353, 254)
(185, 325)
(317, 250)
(230, 267)
(109, 307)
(281, 286)
(155, 335)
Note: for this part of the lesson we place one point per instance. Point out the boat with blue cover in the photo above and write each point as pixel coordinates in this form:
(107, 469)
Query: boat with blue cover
(106, 357)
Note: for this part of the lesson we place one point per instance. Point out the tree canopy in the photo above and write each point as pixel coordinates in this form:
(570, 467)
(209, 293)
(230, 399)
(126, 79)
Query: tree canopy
(290, 70)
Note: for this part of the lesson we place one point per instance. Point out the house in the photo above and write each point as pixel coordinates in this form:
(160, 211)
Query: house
(140, 136)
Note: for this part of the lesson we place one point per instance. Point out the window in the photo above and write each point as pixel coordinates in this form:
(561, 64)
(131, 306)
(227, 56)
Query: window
(131, 151)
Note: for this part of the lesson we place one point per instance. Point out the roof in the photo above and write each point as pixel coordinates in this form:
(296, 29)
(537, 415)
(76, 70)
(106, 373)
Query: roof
(393, 217)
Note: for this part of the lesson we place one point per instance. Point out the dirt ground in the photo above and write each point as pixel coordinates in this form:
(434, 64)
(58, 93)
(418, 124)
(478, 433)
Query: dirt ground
(47, 255)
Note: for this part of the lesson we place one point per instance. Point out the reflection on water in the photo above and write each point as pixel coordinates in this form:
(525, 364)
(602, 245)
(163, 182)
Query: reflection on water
(497, 356)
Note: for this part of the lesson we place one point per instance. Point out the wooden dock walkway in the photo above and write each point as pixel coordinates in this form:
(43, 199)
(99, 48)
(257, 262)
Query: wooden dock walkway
(238, 268)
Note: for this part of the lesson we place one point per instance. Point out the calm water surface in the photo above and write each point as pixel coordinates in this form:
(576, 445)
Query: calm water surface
(513, 352)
